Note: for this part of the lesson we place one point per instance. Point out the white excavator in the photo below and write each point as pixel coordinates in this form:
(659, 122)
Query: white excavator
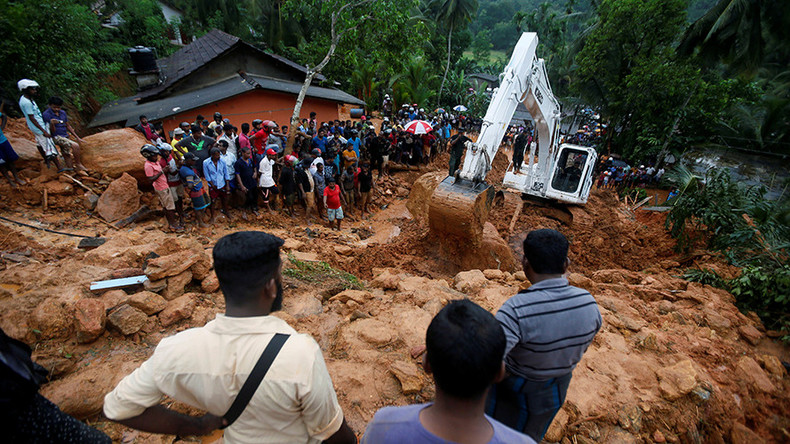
(563, 173)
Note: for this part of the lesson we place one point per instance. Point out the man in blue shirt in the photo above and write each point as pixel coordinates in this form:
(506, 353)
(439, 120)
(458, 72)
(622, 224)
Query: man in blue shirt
(216, 173)
(319, 141)
(246, 175)
(59, 127)
(464, 349)
(194, 187)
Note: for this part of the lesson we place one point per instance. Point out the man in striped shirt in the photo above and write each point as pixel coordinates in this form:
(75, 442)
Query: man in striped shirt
(548, 328)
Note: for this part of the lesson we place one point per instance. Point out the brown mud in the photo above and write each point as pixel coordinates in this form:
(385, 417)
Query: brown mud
(674, 362)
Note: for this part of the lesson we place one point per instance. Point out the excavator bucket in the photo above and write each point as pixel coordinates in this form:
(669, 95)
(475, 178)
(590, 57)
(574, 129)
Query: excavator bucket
(459, 208)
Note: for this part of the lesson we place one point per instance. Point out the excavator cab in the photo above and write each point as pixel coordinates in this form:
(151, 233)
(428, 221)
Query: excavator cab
(571, 176)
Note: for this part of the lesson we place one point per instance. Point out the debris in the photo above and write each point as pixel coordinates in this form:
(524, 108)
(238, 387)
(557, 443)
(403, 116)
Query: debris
(177, 309)
(91, 317)
(142, 213)
(89, 243)
(127, 319)
(118, 283)
(119, 200)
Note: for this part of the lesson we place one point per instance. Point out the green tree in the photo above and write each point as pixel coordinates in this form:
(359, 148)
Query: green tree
(453, 14)
(481, 46)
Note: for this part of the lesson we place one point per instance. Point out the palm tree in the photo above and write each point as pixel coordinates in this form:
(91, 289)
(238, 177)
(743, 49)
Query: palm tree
(364, 82)
(453, 14)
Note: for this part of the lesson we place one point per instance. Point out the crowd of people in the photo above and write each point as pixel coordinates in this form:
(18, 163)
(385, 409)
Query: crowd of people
(620, 177)
(224, 167)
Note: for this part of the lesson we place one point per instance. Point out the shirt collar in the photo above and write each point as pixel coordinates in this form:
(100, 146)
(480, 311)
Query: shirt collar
(228, 325)
(556, 282)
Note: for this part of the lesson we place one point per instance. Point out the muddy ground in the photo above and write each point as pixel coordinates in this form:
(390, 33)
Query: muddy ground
(674, 362)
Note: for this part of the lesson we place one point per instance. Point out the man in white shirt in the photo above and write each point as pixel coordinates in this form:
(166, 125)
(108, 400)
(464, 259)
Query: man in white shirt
(266, 179)
(206, 367)
(35, 122)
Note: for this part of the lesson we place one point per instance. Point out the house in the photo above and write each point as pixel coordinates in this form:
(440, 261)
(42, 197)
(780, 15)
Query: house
(220, 72)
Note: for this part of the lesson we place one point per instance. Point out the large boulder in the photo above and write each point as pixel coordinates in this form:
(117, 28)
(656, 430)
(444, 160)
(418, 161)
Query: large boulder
(21, 139)
(119, 200)
(115, 152)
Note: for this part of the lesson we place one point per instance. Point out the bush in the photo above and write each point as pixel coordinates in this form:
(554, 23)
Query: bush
(750, 230)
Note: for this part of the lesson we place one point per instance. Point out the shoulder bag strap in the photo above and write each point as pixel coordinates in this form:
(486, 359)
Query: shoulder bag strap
(255, 378)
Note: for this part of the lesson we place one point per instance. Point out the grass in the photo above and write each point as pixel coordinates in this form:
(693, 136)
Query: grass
(316, 272)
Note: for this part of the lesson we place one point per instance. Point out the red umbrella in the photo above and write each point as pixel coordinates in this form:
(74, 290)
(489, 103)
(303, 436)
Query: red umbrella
(418, 127)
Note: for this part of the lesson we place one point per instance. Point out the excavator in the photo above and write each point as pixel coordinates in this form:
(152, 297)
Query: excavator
(563, 173)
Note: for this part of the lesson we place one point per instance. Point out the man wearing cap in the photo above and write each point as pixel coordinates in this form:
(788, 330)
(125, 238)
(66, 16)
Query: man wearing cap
(206, 367)
(217, 125)
(258, 137)
(35, 122)
(178, 135)
(227, 135)
(266, 177)
(197, 144)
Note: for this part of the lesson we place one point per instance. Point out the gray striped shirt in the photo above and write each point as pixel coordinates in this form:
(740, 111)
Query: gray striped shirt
(548, 328)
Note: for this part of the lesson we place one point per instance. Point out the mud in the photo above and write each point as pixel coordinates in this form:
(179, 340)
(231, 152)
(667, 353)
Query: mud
(675, 361)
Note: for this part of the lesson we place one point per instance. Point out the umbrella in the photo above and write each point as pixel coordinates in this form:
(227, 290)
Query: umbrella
(439, 110)
(418, 127)
(460, 108)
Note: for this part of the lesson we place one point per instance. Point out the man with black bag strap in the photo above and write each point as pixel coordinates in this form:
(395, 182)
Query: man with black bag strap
(27, 416)
(269, 383)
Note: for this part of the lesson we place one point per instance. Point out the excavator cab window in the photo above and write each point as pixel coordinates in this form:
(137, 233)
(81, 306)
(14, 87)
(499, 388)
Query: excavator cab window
(568, 172)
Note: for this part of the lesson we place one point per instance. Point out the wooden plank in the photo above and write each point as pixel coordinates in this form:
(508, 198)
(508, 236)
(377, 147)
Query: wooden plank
(516, 214)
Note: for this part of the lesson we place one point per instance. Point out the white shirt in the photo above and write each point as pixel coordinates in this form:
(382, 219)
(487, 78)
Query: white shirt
(29, 108)
(206, 367)
(313, 167)
(265, 168)
(230, 160)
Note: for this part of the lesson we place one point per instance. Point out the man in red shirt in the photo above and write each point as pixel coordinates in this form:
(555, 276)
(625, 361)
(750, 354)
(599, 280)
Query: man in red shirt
(258, 136)
(332, 201)
(156, 174)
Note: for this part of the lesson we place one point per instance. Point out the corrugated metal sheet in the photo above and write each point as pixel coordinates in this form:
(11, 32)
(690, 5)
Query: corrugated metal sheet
(128, 110)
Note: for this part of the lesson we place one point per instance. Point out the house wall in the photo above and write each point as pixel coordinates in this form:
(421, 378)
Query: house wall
(260, 104)
(229, 65)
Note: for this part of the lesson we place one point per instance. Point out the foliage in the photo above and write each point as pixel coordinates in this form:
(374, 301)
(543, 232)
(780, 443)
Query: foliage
(748, 229)
(320, 272)
(704, 277)
(634, 194)
(142, 24)
(481, 45)
(58, 43)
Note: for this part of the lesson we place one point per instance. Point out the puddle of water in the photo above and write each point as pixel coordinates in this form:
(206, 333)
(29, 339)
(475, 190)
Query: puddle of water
(384, 234)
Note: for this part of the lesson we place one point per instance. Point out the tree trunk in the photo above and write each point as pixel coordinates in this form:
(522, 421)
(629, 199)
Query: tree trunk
(447, 67)
(663, 153)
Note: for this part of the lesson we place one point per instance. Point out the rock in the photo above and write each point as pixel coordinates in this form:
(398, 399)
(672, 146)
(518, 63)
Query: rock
(343, 250)
(433, 307)
(678, 380)
(750, 334)
(91, 317)
(53, 319)
(494, 274)
(114, 298)
(773, 365)
(114, 152)
(155, 286)
(119, 200)
(557, 427)
(210, 284)
(581, 281)
(740, 434)
(176, 284)
(617, 276)
(202, 267)
(358, 296)
(469, 281)
(89, 200)
(170, 265)
(15, 324)
(302, 305)
(386, 280)
(127, 319)
(126, 272)
(373, 331)
(520, 275)
(305, 256)
(620, 436)
(147, 302)
(408, 375)
(717, 321)
(751, 372)
(630, 418)
(178, 309)
(292, 244)
(659, 437)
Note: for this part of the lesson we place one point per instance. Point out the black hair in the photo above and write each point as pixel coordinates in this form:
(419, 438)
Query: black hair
(465, 345)
(245, 127)
(142, 117)
(546, 250)
(55, 100)
(312, 113)
(215, 150)
(199, 117)
(245, 261)
(227, 127)
(223, 142)
(196, 128)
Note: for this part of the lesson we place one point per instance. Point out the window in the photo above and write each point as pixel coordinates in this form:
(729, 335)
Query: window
(568, 172)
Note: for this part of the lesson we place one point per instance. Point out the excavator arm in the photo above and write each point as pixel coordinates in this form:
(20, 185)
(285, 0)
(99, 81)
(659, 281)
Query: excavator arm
(460, 205)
